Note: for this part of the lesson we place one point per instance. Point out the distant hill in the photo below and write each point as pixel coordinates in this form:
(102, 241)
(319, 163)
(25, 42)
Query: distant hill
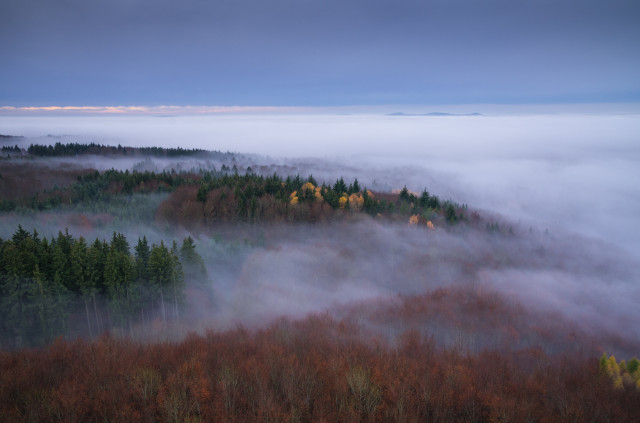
(10, 138)
(433, 114)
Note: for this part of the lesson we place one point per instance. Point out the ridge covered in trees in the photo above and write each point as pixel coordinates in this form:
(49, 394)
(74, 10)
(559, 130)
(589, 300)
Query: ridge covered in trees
(72, 149)
(223, 198)
(210, 196)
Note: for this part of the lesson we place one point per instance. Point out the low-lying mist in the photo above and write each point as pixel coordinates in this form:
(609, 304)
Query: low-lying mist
(565, 184)
(573, 170)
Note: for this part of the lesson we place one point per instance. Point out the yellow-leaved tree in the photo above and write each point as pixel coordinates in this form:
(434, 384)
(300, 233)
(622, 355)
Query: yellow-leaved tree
(307, 186)
(622, 374)
(356, 201)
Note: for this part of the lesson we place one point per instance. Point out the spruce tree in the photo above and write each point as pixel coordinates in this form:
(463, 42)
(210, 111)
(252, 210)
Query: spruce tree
(160, 270)
(193, 265)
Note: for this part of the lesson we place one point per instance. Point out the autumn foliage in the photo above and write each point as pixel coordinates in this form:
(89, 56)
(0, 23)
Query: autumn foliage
(222, 198)
(623, 375)
(317, 369)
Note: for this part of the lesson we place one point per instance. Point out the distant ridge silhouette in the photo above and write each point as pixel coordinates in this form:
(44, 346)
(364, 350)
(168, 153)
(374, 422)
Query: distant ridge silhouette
(433, 114)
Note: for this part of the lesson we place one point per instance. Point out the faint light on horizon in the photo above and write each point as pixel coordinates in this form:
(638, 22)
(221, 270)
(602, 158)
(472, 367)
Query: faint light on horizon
(197, 110)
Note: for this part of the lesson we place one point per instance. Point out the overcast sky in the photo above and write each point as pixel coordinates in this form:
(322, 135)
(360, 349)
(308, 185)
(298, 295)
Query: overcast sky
(317, 53)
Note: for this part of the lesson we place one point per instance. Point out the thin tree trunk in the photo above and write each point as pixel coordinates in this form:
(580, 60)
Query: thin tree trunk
(109, 319)
(95, 310)
(86, 308)
(164, 317)
(175, 301)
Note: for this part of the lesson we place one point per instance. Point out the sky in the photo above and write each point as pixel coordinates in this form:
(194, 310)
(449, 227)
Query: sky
(317, 53)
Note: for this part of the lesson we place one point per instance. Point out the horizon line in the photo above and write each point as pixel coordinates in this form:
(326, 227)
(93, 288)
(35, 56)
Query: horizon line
(221, 109)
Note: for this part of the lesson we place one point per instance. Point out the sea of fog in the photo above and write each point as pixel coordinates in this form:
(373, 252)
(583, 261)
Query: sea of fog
(569, 172)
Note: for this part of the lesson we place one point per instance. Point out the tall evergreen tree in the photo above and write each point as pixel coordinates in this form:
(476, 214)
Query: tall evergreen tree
(355, 187)
(192, 263)
(61, 258)
(177, 279)
(340, 186)
(80, 277)
(14, 297)
(119, 243)
(160, 269)
(142, 254)
(119, 271)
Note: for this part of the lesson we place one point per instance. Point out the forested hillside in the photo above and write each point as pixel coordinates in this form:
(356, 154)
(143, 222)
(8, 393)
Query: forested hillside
(204, 197)
(187, 285)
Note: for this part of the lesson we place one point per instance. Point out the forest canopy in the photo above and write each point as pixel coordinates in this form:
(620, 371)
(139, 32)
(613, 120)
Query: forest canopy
(44, 282)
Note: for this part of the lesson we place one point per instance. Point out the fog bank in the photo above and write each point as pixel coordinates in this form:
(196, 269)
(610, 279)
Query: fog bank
(566, 183)
(575, 170)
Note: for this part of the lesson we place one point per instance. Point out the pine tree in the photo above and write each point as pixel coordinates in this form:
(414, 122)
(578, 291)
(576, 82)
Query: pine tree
(404, 194)
(20, 235)
(14, 293)
(142, 254)
(160, 270)
(119, 243)
(80, 277)
(177, 279)
(193, 265)
(41, 300)
(450, 213)
(355, 186)
(340, 187)
(56, 298)
(424, 199)
(95, 275)
(332, 198)
(61, 258)
(45, 258)
(119, 273)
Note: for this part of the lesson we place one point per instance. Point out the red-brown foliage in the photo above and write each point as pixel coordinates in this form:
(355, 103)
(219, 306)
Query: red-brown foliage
(316, 369)
(182, 207)
(20, 181)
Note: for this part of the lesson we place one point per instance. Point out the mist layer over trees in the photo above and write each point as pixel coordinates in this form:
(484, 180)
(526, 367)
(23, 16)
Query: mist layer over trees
(317, 289)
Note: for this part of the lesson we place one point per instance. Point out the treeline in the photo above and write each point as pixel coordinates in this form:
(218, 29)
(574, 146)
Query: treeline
(225, 195)
(46, 285)
(74, 149)
(311, 370)
(99, 185)
(91, 187)
(9, 149)
(255, 198)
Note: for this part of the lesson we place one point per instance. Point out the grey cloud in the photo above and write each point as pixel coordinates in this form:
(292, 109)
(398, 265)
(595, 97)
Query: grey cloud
(288, 52)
